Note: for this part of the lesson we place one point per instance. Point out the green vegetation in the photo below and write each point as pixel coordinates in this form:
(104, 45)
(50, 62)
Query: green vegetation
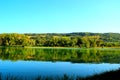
(55, 54)
(15, 40)
(86, 40)
(74, 55)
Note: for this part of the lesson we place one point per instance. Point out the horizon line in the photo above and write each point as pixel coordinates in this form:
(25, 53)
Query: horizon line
(53, 32)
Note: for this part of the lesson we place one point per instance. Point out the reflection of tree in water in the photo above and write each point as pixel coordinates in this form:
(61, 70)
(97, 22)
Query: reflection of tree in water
(72, 55)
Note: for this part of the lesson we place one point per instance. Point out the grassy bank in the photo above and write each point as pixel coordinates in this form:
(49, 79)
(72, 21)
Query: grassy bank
(63, 47)
(71, 47)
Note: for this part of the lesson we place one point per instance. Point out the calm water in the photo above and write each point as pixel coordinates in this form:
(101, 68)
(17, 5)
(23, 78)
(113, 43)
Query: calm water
(32, 62)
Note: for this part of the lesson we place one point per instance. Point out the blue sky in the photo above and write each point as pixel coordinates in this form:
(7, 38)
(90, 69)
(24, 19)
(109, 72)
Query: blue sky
(59, 16)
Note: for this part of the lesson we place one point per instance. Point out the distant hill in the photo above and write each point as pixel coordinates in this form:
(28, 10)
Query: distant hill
(107, 37)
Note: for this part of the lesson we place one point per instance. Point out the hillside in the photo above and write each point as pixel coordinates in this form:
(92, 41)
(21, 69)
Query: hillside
(107, 37)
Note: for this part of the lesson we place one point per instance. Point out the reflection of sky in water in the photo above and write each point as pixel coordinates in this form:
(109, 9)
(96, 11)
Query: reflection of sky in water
(32, 68)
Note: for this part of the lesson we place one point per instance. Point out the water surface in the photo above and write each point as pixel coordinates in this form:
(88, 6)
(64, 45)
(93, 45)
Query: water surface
(32, 62)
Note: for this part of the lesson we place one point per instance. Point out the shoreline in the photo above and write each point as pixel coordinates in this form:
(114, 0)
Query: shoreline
(42, 47)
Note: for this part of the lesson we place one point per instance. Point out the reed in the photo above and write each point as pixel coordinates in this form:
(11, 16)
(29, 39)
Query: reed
(111, 75)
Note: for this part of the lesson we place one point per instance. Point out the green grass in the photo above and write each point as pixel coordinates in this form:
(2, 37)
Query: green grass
(105, 48)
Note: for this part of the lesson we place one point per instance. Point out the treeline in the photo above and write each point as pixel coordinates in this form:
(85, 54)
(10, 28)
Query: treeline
(61, 40)
(14, 39)
(64, 41)
(106, 37)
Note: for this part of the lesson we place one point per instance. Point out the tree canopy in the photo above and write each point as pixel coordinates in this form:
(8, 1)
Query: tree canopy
(61, 40)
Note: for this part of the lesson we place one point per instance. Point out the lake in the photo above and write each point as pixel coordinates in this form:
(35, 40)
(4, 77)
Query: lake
(29, 63)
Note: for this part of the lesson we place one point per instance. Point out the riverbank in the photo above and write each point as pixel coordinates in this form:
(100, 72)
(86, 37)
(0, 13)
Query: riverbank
(83, 48)
(42, 47)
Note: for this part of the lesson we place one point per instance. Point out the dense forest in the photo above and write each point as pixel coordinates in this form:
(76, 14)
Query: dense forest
(82, 39)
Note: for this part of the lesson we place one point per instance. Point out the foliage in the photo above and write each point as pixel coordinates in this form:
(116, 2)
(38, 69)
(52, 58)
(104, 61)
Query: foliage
(61, 40)
(15, 39)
